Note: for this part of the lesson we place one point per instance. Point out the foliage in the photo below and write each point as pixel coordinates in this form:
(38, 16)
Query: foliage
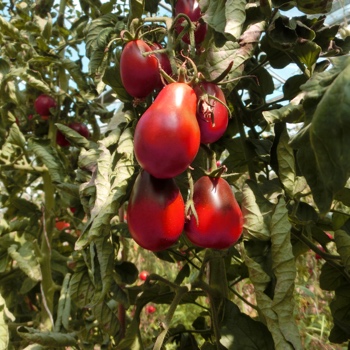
(287, 161)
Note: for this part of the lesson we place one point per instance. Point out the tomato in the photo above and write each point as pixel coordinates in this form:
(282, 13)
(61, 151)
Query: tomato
(143, 275)
(139, 74)
(164, 63)
(155, 212)
(167, 136)
(220, 220)
(80, 128)
(150, 309)
(192, 10)
(43, 104)
(61, 225)
(212, 116)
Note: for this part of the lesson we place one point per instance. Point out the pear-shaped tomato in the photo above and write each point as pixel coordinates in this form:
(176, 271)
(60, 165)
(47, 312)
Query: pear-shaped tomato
(139, 74)
(167, 136)
(156, 212)
(192, 10)
(220, 220)
(212, 115)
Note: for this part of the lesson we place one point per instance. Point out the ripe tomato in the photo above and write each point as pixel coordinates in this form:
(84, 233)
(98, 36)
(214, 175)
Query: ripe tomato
(155, 212)
(143, 275)
(61, 225)
(42, 105)
(167, 136)
(150, 309)
(192, 10)
(212, 116)
(164, 63)
(139, 73)
(220, 220)
(80, 128)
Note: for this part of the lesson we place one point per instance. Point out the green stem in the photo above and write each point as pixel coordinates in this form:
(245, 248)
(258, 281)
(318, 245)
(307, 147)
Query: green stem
(47, 284)
(180, 292)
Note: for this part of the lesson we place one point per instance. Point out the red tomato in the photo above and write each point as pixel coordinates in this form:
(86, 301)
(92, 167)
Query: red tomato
(163, 61)
(192, 10)
(139, 73)
(212, 116)
(61, 225)
(155, 212)
(143, 275)
(43, 104)
(150, 309)
(80, 128)
(220, 220)
(167, 136)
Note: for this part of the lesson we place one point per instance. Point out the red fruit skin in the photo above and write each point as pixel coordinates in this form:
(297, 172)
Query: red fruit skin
(139, 74)
(212, 116)
(80, 128)
(150, 309)
(43, 104)
(192, 10)
(143, 275)
(163, 61)
(61, 225)
(167, 136)
(155, 212)
(220, 218)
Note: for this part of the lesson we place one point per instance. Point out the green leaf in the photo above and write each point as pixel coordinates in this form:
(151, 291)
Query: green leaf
(49, 156)
(4, 68)
(127, 272)
(75, 138)
(289, 113)
(278, 310)
(105, 255)
(331, 277)
(52, 339)
(328, 140)
(239, 331)
(64, 305)
(81, 288)
(308, 53)
(16, 137)
(112, 78)
(256, 211)
(314, 7)
(136, 9)
(5, 315)
(106, 318)
(342, 241)
(226, 17)
(286, 163)
(26, 260)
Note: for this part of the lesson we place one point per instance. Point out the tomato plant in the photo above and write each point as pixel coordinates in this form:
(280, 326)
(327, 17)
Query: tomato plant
(220, 222)
(146, 185)
(43, 104)
(167, 135)
(212, 116)
(139, 74)
(155, 212)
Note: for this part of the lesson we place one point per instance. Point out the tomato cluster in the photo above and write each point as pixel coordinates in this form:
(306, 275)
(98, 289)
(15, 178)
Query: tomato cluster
(166, 141)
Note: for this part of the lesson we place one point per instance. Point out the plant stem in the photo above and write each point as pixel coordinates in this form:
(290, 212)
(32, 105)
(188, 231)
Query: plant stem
(47, 284)
(180, 292)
